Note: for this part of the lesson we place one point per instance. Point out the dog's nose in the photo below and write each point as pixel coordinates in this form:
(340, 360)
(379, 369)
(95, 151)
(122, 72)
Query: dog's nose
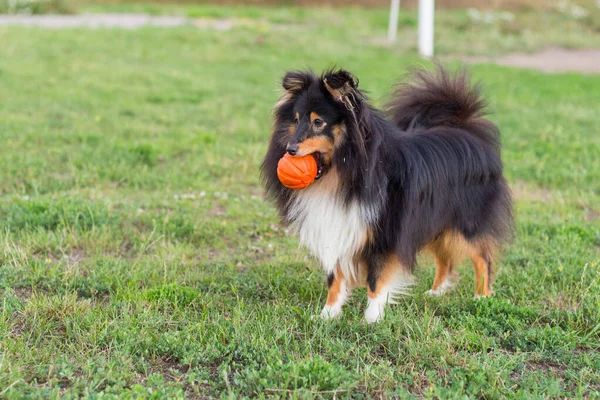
(292, 149)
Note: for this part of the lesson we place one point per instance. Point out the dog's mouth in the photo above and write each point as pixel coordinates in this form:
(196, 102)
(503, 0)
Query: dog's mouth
(317, 156)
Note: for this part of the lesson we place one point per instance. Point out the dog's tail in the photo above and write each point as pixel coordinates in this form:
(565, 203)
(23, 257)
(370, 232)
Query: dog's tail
(439, 98)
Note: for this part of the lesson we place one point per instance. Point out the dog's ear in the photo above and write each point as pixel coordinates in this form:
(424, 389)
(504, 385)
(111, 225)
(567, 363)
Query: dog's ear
(342, 86)
(295, 81)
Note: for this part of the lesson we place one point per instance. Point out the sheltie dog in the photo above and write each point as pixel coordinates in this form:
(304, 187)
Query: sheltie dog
(425, 174)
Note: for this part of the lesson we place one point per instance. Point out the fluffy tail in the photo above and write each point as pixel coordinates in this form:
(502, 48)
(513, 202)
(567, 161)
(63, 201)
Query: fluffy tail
(432, 99)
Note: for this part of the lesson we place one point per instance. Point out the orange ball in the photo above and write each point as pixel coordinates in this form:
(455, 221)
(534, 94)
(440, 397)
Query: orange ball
(297, 172)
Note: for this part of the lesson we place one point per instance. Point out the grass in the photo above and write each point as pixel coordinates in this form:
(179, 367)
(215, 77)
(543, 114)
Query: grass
(140, 261)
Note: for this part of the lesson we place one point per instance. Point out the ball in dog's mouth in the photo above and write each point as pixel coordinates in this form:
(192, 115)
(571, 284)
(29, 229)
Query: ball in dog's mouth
(317, 156)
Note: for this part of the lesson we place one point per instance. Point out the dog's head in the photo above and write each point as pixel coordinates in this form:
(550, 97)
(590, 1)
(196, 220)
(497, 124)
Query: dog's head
(313, 115)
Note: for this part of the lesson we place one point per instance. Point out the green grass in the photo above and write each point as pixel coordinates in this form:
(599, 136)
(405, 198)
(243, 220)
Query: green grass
(140, 261)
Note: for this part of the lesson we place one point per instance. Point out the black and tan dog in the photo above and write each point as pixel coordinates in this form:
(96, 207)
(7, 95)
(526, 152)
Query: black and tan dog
(424, 174)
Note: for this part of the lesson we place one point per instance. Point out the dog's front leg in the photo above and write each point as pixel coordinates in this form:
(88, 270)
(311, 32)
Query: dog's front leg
(386, 279)
(339, 291)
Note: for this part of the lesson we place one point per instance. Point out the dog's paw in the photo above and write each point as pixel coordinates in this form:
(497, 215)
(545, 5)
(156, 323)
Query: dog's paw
(446, 286)
(330, 312)
(374, 312)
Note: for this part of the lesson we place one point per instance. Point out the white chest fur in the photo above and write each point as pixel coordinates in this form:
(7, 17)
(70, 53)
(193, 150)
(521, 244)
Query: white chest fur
(333, 231)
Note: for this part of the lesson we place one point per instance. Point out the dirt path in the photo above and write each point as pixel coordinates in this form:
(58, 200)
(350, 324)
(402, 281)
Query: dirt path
(552, 60)
(126, 21)
(123, 21)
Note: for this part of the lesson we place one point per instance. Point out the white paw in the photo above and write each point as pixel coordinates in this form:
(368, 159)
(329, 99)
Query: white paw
(330, 312)
(375, 311)
(446, 286)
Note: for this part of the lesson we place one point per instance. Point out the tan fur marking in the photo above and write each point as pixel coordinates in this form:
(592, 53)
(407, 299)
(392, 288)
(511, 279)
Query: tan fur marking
(313, 144)
(329, 183)
(482, 257)
(338, 132)
(443, 269)
(445, 250)
(451, 247)
(335, 288)
(387, 273)
(482, 277)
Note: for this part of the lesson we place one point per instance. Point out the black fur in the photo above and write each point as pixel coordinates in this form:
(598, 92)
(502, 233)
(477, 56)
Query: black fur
(429, 164)
(330, 278)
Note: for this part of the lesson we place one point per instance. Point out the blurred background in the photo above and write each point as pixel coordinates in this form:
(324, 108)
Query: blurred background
(512, 25)
(71, 5)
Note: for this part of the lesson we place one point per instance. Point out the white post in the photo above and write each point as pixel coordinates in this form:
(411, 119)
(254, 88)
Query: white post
(393, 25)
(426, 9)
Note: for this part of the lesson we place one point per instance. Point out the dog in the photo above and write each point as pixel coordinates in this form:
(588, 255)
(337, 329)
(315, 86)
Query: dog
(423, 174)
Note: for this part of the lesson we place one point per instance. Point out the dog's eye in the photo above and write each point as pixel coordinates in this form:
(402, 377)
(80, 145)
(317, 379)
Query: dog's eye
(318, 122)
(296, 120)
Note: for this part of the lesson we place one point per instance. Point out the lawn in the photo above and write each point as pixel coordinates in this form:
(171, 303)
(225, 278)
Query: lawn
(139, 259)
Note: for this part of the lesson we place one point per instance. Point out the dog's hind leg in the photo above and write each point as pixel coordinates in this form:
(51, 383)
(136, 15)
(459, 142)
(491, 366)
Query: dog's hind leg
(483, 275)
(482, 262)
(445, 251)
(445, 279)
(339, 291)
